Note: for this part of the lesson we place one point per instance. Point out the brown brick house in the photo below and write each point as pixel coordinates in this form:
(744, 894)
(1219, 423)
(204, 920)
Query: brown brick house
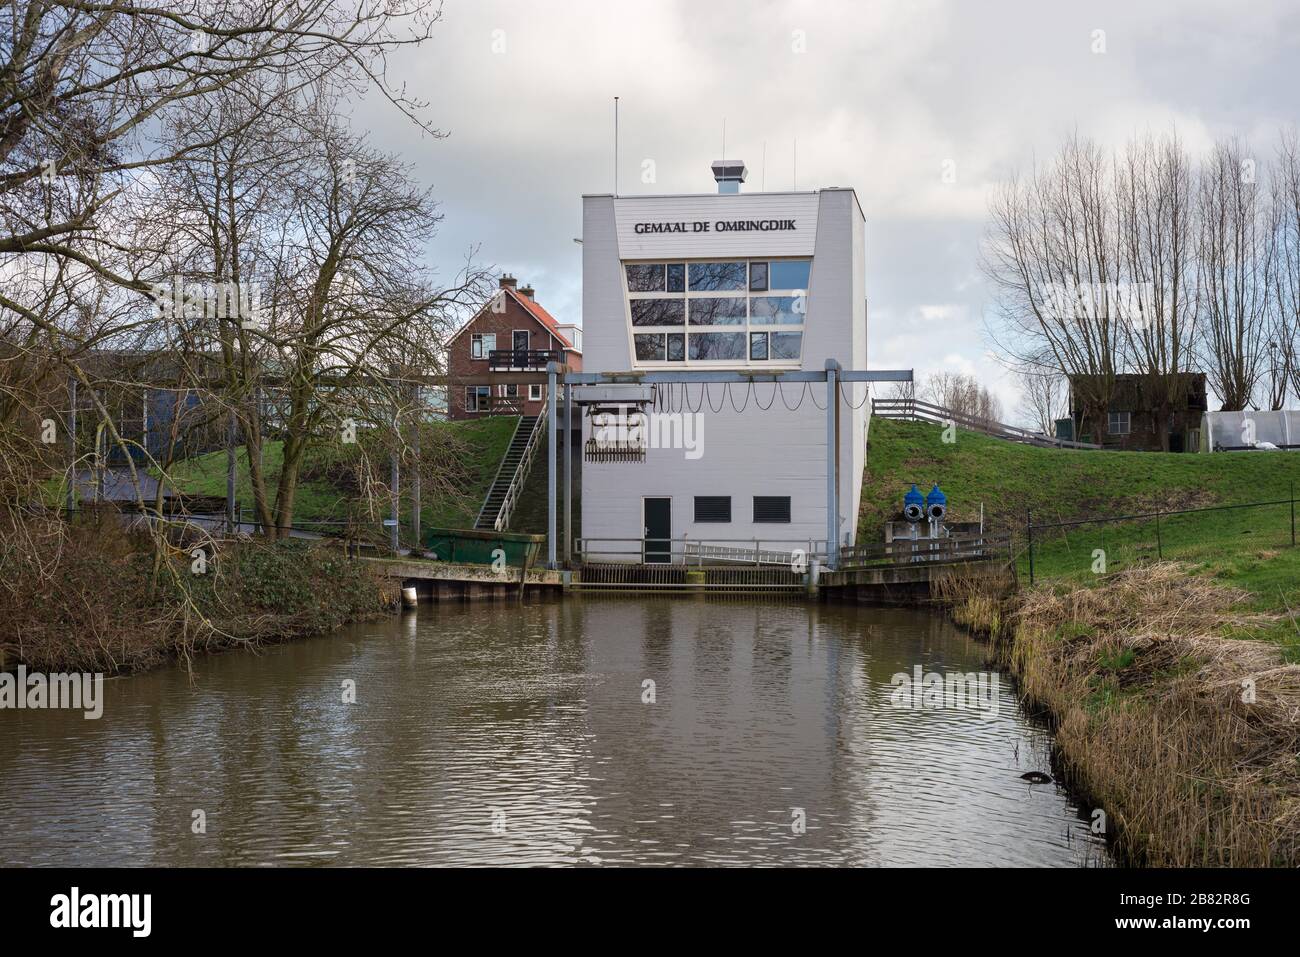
(511, 333)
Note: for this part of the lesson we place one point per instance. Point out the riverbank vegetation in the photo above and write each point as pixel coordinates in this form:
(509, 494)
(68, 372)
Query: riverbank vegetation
(1167, 715)
(1173, 686)
(91, 595)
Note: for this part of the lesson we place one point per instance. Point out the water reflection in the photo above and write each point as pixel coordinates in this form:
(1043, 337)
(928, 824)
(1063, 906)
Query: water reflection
(507, 734)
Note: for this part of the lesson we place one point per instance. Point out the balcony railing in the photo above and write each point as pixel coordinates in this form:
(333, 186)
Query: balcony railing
(510, 359)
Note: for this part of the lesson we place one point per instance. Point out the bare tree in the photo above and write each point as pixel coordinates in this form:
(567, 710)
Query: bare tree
(1043, 399)
(1154, 184)
(1055, 263)
(963, 395)
(1235, 259)
(1284, 352)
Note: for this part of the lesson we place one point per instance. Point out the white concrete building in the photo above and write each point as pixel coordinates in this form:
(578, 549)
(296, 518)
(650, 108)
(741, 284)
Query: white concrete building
(756, 282)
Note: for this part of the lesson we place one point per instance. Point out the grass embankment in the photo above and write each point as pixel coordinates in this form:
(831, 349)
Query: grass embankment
(89, 597)
(328, 491)
(1172, 684)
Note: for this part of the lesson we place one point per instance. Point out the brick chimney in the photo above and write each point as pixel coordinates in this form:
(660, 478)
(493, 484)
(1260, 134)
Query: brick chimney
(528, 291)
(508, 281)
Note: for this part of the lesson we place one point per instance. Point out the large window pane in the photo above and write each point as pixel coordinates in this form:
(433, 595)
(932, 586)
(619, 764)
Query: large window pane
(777, 310)
(645, 277)
(785, 345)
(717, 277)
(717, 345)
(658, 312)
(649, 347)
(718, 311)
(790, 275)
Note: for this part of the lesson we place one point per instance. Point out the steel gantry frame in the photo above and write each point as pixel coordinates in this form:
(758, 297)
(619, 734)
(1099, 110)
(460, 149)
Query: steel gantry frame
(559, 375)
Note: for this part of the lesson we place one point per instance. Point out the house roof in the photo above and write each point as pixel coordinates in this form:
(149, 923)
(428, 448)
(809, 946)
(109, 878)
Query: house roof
(532, 308)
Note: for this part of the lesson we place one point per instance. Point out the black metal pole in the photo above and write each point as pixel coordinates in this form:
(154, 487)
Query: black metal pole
(231, 474)
(1029, 533)
(72, 447)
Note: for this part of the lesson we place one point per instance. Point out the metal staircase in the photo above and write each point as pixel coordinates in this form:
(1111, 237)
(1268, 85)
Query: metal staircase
(503, 494)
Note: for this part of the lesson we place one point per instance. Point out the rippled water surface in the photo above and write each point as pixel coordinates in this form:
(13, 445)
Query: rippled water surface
(507, 734)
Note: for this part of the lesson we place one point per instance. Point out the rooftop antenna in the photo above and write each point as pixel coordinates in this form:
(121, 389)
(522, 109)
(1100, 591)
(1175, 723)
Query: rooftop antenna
(615, 146)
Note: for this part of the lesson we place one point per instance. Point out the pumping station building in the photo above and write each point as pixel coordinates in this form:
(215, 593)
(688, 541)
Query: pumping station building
(727, 334)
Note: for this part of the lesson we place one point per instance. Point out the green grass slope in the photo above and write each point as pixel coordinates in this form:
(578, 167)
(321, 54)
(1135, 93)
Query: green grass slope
(1247, 547)
(472, 451)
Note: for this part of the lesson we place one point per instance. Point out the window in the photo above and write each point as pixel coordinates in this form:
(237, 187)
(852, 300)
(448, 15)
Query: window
(645, 277)
(658, 312)
(716, 277)
(717, 345)
(791, 274)
(657, 346)
(480, 344)
(777, 310)
(1120, 423)
(477, 398)
(713, 508)
(535, 393)
(508, 391)
(772, 509)
(715, 311)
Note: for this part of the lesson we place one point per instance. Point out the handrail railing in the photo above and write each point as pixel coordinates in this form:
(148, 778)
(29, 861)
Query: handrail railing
(918, 410)
(522, 358)
(521, 470)
(729, 552)
(906, 550)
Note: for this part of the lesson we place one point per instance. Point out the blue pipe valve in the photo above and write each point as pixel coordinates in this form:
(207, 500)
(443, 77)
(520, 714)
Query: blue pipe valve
(936, 503)
(914, 505)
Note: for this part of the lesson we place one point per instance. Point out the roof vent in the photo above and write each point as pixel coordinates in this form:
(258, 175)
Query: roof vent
(729, 174)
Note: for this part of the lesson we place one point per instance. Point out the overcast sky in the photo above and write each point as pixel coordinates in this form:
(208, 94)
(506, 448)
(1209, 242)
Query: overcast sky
(880, 96)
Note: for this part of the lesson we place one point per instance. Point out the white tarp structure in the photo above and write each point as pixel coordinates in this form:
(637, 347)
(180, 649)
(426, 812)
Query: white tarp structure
(1257, 430)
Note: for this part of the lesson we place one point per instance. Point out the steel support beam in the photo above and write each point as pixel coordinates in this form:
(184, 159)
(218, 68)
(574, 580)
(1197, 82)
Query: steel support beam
(687, 376)
(568, 474)
(832, 486)
(552, 400)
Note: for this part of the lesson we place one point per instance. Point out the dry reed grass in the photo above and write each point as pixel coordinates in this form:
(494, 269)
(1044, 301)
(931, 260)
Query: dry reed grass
(1188, 739)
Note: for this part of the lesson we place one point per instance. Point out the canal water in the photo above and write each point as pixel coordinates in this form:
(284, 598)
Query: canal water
(597, 731)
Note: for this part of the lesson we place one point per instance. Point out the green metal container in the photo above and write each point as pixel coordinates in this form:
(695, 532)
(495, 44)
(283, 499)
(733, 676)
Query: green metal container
(476, 547)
